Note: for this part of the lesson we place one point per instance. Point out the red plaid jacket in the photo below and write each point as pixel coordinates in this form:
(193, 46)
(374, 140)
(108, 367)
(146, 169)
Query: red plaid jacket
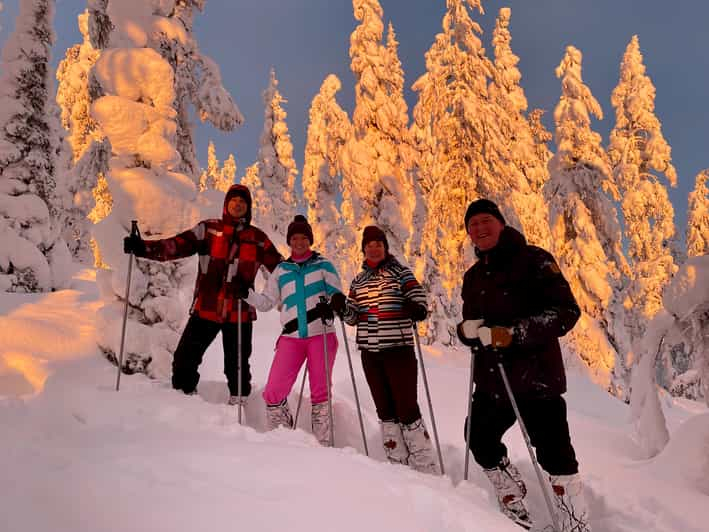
(230, 255)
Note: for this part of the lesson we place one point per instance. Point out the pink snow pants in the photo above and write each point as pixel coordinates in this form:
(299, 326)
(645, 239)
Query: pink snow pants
(290, 355)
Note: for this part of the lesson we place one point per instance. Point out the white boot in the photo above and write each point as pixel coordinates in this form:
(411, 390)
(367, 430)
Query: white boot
(278, 416)
(393, 441)
(571, 506)
(510, 491)
(320, 418)
(420, 450)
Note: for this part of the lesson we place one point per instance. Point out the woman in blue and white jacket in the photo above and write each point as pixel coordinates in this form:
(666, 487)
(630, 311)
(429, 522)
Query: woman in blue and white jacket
(295, 287)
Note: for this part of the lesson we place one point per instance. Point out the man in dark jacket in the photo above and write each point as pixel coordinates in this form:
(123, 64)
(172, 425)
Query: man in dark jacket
(516, 304)
(230, 251)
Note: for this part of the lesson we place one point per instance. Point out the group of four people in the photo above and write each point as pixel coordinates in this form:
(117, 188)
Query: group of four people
(516, 304)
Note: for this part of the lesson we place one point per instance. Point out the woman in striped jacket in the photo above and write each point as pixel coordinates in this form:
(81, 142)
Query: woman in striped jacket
(296, 287)
(385, 299)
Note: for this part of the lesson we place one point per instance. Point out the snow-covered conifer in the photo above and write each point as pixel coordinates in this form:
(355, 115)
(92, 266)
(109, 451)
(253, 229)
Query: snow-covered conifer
(209, 177)
(698, 217)
(227, 174)
(89, 157)
(584, 224)
(277, 169)
(453, 118)
(377, 185)
(139, 112)
(528, 171)
(329, 130)
(34, 257)
(640, 155)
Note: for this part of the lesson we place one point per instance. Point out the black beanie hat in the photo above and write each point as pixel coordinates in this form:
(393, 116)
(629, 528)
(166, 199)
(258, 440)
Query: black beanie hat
(483, 206)
(372, 232)
(299, 225)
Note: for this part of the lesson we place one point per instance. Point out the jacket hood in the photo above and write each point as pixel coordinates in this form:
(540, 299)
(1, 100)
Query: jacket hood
(243, 192)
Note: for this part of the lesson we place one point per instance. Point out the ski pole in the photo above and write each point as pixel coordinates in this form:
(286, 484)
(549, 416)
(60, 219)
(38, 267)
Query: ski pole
(323, 299)
(133, 232)
(428, 396)
(532, 455)
(469, 428)
(354, 387)
(300, 398)
(238, 355)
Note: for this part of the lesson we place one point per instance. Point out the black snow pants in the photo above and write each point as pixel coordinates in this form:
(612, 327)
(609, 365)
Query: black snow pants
(544, 418)
(392, 377)
(196, 338)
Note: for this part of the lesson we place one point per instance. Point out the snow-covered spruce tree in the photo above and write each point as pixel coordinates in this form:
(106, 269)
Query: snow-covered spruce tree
(377, 182)
(698, 217)
(584, 224)
(530, 171)
(227, 174)
(640, 156)
(455, 128)
(88, 197)
(210, 176)
(329, 130)
(137, 111)
(34, 257)
(277, 169)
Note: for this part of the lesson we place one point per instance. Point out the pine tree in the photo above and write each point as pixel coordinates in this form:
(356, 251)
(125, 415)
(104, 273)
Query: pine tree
(698, 217)
(35, 257)
(329, 130)
(227, 174)
(639, 155)
(454, 123)
(277, 169)
(377, 184)
(89, 198)
(210, 177)
(140, 112)
(584, 223)
(529, 170)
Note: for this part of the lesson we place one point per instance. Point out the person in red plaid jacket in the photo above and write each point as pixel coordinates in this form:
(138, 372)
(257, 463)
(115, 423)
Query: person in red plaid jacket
(231, 251)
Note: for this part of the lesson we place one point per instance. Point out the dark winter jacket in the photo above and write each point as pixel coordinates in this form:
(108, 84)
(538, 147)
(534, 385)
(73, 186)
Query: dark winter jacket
(376, 304)
(230, 254)
(520, 286)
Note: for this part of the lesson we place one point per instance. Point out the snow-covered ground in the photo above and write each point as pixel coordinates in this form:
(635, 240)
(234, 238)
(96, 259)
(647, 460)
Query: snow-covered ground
(78, 456)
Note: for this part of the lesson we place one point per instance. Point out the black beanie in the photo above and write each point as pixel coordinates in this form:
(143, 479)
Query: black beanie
(299, 225)
(481, 206)
(372, 232)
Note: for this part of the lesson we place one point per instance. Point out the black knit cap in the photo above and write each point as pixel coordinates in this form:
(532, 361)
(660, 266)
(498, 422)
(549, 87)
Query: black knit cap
(300, 226)
(372, 232)
(481, 206)
(242, 192)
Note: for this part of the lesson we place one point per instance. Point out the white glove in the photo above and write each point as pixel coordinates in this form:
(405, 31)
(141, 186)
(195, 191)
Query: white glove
(471, 328)
(485, 335)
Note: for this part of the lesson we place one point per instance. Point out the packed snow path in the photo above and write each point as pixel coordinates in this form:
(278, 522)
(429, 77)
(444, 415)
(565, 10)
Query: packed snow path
(77, 455)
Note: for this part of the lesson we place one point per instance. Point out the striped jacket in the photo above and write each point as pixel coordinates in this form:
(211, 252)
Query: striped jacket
(296, 288)
(376, 305)
(230, 254)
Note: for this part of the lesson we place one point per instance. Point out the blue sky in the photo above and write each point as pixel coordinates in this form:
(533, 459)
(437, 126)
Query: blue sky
(306, 40)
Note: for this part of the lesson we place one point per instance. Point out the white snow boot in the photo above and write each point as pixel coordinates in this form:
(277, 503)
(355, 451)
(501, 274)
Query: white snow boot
(510, 491)
(278, 416)
(393, 440)
(420, 450)
(320, 419)
(571, 506)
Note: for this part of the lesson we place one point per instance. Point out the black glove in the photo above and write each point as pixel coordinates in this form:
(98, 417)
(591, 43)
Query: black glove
(416, 311)
(470, 341)
(338, 303)
(241, 290)
(134, 244)
(324, 310)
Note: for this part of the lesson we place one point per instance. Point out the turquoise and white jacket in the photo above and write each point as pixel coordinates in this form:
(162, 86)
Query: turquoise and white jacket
(295, 288)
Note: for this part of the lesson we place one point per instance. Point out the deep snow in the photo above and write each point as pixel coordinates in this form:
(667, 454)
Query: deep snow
(78, 456)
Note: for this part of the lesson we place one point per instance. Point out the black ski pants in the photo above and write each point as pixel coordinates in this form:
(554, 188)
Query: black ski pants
(392, 377)
(545, 420)
(196, 338)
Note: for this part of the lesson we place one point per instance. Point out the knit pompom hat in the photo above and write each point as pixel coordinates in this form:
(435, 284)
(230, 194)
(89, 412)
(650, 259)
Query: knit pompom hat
(300, 226)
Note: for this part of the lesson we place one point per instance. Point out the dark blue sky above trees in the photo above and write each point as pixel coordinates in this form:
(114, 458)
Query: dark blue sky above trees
(306, 40)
